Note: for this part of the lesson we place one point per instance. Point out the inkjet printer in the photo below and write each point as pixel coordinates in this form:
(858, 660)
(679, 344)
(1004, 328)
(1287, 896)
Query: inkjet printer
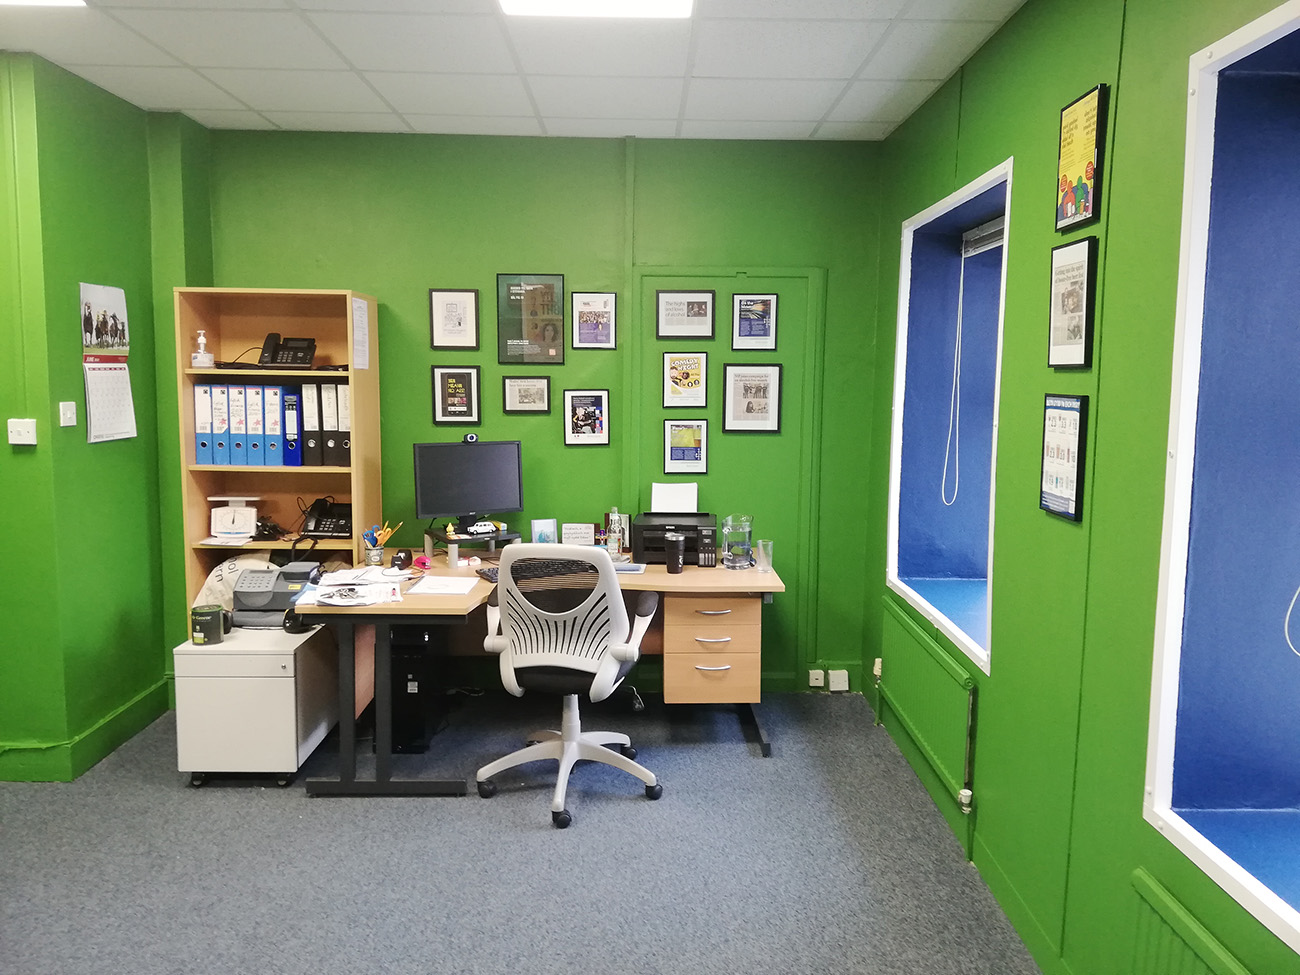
(700, 529)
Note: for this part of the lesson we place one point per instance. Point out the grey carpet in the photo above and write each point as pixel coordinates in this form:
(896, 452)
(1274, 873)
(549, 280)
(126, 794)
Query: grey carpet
(827, 857)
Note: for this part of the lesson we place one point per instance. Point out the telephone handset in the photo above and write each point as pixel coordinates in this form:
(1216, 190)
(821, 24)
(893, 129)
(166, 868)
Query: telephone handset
(287, 353)
(327, 519)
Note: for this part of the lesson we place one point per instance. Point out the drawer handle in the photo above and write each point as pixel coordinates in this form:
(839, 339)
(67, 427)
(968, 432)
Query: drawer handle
(713, 612)
(713, 639)
(723, 667)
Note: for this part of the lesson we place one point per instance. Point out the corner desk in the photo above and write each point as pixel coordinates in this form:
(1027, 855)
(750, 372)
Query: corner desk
(712, 646)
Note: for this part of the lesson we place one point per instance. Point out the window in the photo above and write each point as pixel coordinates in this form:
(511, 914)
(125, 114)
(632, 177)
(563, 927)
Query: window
(1223, 767)
(944, 447)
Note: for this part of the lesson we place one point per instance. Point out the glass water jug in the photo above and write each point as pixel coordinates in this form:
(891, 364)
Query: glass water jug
(737, 542)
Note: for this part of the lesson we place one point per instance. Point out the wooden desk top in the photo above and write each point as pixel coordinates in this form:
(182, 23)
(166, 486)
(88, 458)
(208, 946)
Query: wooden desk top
(692, 580)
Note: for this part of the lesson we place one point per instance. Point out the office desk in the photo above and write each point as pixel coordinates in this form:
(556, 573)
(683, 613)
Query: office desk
(712, 654)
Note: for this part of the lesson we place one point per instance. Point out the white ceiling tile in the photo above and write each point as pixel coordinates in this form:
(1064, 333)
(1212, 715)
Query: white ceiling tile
(563, 46)
(470, 125)
(746, 130)
(210, 4)
(801, 9)
(159, 89)
(239, 39)
(997, 10)
(603, 128)
(786, 101)
(650, 98)
(398, 42)
(783, 49)
(450, 94)
(338, 121)
(297, 91)
(889, 101)
(218, 119)
(404, 6)
(924, 50)
(75, 35)
(854, 131)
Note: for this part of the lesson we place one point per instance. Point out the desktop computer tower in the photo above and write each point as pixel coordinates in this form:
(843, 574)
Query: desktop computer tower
(419, 688)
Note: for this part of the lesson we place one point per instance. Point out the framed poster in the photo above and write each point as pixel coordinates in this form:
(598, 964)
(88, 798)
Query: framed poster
(453, 319)
(455, 394)
(526, 394)
(1073, 289)
(1065, 435)
(751, 398)
(586, 416)
(593, 319)
(684, 314)
(686, 446)
(1078, 159)
(530, 319)
(753, 322)
(685, 379)
(545, 530)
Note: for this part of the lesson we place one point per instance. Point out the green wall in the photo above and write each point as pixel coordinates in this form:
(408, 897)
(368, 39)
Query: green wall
(396, 215)
(1061, 733)
(82, 670)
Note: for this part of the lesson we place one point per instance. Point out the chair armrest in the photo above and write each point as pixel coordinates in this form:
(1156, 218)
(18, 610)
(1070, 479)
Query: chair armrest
(494, 643)
(645, 611)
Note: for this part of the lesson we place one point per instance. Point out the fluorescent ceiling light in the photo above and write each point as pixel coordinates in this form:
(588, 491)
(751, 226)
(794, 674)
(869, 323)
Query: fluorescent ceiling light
(42, 3)
(597, 8)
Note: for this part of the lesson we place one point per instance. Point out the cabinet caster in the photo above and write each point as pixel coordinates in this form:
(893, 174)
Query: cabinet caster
(487, 789)
(628, 752)
(654, 791)
(197, 779)
(561, 819)
(283, 780)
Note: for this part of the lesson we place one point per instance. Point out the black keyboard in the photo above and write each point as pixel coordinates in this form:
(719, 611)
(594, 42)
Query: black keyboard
(539, 569)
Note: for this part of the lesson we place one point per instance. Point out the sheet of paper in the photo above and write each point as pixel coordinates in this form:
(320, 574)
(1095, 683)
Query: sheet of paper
(360, 334)
(110, 411)
(674, 497)
(443, 586)
(234, 541)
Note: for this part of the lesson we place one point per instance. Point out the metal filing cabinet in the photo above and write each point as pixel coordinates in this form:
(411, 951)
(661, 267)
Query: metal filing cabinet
(259, 701)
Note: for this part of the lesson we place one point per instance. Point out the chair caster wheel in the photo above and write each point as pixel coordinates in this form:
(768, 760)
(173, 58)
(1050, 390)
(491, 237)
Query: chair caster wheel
(487, 789)
(628, 752)
(654, 791)
(561, 819)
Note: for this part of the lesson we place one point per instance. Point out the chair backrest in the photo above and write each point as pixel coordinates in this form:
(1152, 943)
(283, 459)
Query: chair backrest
(566, 619)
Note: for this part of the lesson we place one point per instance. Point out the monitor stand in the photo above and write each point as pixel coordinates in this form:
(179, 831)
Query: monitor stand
(454, 542)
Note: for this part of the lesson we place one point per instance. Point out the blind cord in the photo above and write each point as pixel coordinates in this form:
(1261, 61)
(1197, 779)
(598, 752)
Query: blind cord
(954, 403)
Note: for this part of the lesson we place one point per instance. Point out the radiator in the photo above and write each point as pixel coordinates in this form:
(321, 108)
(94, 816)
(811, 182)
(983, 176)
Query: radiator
(1170, 941)
(933, 698)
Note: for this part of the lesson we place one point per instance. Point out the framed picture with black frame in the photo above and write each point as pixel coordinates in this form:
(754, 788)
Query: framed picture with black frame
(1079, 159)
(684, 314)
(594, 319)
(455, 394)
(753, 322)
(686, 446)
(453, 319)
(751, 401)
(530, 319)
(1065, 438)
(1074, 292)
(526, 394)
(586, 417)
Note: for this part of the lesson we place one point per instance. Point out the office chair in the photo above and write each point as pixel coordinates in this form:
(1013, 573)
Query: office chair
(565, 632)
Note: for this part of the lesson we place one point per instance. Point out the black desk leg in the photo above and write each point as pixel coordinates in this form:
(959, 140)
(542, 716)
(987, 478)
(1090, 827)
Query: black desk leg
(383, 702)
(764, 745)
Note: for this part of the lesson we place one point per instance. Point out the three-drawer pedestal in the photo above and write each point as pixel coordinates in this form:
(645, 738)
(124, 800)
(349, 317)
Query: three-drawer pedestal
(712, 649)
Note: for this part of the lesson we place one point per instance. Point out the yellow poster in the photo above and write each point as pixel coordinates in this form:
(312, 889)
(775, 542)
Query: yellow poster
(1077, 169)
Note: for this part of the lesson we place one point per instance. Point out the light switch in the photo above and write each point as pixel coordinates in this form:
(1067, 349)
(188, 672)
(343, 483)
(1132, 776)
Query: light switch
(22, 431)
(67, 414)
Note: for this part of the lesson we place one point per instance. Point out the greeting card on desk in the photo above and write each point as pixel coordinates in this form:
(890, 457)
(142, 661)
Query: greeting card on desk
(578, 533)
(674, 497)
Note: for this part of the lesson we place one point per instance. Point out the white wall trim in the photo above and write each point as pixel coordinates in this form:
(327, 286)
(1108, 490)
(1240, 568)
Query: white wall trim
(1202, 87)
(976, 648)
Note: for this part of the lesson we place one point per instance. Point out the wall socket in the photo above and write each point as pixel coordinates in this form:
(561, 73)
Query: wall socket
(816, 678)
(839, 680)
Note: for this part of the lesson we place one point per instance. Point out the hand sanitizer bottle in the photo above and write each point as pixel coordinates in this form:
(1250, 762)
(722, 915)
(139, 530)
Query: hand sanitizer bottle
(202, 359)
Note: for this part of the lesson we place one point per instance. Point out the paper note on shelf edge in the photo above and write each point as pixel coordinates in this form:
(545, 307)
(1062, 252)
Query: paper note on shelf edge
(676, 498)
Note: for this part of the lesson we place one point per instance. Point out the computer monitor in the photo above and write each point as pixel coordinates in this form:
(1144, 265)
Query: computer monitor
(467, 481)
